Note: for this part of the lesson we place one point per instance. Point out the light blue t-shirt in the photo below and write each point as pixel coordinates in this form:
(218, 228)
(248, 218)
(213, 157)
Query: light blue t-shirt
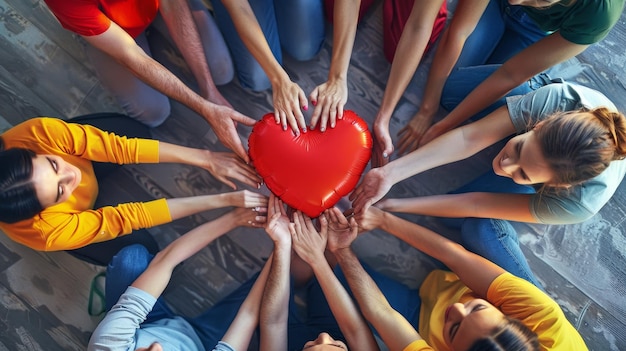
(582, 201)
(121, 328)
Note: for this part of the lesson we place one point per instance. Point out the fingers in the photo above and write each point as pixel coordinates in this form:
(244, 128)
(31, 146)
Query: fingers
(243, 119)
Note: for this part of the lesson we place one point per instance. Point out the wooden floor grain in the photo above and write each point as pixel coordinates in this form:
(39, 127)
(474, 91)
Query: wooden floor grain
(43, 296)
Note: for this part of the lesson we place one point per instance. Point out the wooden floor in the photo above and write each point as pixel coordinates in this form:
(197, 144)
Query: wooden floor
(43, 296)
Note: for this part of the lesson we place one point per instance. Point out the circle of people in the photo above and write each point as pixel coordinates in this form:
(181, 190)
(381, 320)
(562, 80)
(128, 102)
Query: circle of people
(562, 161)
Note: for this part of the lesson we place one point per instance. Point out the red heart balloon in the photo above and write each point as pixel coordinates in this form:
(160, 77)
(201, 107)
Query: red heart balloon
(312, 171)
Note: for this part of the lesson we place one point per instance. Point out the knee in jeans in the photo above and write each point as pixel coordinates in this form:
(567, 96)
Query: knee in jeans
(135, 254)
(153, 113)
(222, 71)
(256, 81)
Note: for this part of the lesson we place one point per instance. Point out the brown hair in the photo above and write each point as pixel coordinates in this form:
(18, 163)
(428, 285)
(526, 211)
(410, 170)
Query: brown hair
(510, 335)
(579, 145)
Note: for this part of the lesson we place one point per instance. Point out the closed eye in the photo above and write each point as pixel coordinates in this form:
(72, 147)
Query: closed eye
(55, 168)
(518, 150)
(455, 327)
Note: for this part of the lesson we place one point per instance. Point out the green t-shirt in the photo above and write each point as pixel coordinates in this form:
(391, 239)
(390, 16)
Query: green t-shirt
(582, 22)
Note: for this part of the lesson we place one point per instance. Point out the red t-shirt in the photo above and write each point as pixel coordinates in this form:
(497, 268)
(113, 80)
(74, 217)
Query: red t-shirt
(93, 17)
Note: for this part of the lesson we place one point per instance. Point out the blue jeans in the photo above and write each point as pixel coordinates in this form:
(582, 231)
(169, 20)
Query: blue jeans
(502, 31)
(297, 26)
(210, 326)
(463, 80)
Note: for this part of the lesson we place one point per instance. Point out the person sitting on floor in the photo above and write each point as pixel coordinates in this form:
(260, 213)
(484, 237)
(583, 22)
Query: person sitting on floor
(51, 172)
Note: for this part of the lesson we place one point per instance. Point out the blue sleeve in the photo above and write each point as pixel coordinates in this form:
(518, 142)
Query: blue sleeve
(116, 332)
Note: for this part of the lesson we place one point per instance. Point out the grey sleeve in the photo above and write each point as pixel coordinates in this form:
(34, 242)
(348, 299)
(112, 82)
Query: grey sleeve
(117, 330)
(223, 346)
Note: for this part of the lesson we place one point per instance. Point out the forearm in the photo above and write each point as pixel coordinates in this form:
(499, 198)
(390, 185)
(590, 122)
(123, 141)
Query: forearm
(171, 153)
(186, 206)
(253, 38)
(156, 277)
(409, 53)
(178, 18)
(348, 316)
(241, 329)
(394, 329)
(448, 148)
(275, 302)
(344, 31)
(515, 207)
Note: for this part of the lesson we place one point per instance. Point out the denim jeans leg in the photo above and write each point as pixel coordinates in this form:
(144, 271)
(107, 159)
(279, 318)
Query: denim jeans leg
(249, 71)
(485, 37)
(123, 270)
(301, 27)
(521, 32)
(462, 81)
(496, 240)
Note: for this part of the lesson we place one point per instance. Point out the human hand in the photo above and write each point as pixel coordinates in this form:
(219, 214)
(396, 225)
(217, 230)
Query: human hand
(224, 165)
(223, 121)
(412, 134)
(249, 217)
(308, 243)
(371, 219)
(329, 99)
(341, 230)
(289, 99)
(372, 188)
(383, 146)
(277, 225)
(247, 199)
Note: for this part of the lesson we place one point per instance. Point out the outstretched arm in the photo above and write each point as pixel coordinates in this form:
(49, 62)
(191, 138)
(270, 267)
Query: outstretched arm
(466, 17)
(156, 277)
(178, 18)
(409, 53)
(243, 326)
(511, 207)
(310, 246)
(538, 57)
(275, 301)
(288, 97)
(185, 206)
(330, 97)
(121, 46)
(221, 165)
(475, 271)
(455, 145)
(394, 329)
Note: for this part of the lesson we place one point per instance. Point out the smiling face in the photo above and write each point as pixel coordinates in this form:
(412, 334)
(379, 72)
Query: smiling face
(325, 342)
(522, 160)
(54, 179)
(466, 323)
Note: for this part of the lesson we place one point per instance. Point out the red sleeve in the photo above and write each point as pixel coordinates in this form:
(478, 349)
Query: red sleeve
(82, 17)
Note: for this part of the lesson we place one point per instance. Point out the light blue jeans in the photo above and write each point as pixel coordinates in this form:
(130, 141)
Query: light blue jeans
(296, 26)
(139, 100)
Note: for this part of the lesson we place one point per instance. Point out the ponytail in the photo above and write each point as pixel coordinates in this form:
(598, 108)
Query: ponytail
(579, 145)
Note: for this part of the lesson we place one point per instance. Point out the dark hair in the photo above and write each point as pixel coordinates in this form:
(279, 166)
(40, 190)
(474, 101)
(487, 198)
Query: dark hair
(579, 146)
(18, 198)
(510, 335)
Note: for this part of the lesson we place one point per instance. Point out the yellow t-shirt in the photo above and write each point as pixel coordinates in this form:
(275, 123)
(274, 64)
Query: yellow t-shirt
(514, 296)
(74, 223)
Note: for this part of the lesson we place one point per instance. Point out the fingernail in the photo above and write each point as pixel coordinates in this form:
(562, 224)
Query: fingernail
(322, 129)
(284, 127)
(305, 107)
(385, 155)
(304, 130)
(314, 103)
